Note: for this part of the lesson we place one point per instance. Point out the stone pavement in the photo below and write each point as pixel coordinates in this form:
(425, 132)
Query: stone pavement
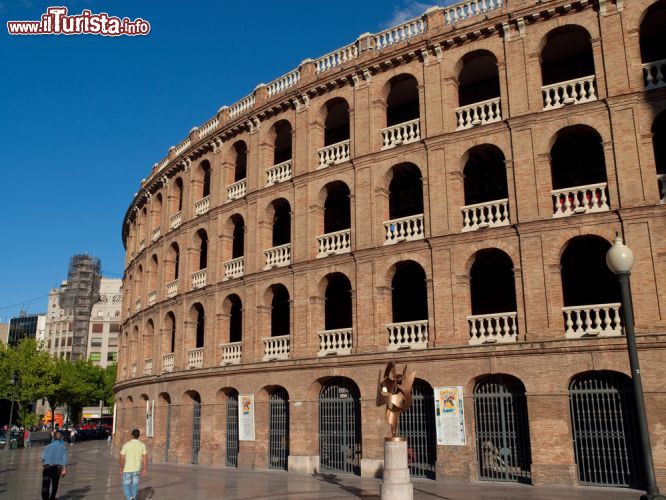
(93, 474)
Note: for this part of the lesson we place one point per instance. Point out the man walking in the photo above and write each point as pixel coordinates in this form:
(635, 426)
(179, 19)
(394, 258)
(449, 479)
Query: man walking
(54, 459)
(133, 463)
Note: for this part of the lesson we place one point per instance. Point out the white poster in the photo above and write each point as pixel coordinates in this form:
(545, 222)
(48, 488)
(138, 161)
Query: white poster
(115, 407)
(150, 410)
(246, 417)
(450, 416)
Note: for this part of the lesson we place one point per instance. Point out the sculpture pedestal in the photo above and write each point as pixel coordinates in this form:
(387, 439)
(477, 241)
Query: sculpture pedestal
(397, 484)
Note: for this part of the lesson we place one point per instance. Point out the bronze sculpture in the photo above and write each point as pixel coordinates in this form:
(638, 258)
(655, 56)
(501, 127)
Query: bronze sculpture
(395, 391)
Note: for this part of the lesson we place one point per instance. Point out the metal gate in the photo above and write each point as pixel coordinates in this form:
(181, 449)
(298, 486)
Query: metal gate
(604, 430)
(232, 431)
(196, 431)
(502, 431)
(167, 438)
(340, 427)
(278, 430)
(418, 425)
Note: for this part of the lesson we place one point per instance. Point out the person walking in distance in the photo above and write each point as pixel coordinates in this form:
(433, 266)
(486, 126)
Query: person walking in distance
(54, 459)
(133, 463)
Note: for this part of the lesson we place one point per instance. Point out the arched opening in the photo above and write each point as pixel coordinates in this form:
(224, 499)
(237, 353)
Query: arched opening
(405, 191)
(201, 241)
(238, 243)
(198, 316)
(659, 145)
(235, 318)
(138, 286)
(417, 424)
(177, 198)
(486, 191)
(402, 103)
(231, 455)
(173, 261)
(282, 144)
(203, 179)
(566, 55)
(337, 210)
(164, 402)
(604, 423)
(340, 427)
(336, 125)
(152, 278)
(280, 311)
(338, 305)
(156, 213)
(281, 222)
(409, 295)
(148, 344)
(196, 425)
(170, 329)
(653, 48)
(278, 428)
(240, 161)
(502, 429)
(478, 79)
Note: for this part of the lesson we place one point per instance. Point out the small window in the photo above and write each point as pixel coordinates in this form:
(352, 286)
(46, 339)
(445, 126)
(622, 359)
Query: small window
(98, 327)
(100, 314)
(96, 342)
(112, 356)
(113, 342)
(57, 343)
(69, 341)
(114, 327)
(95, 356)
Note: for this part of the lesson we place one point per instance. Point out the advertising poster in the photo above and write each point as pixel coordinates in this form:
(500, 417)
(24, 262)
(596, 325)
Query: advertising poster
(150, 410)
(449, 416)
(246, 417)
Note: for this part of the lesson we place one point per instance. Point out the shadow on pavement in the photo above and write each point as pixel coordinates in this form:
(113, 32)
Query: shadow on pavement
(333, 479)
(146, 493)
(76, 494)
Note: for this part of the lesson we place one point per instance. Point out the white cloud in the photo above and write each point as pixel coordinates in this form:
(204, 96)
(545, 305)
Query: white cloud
(408, 11)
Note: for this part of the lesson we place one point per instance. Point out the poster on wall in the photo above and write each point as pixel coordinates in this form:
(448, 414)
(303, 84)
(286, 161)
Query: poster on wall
(449, 416)
(150, 410)
(115, 408)
(246, 417)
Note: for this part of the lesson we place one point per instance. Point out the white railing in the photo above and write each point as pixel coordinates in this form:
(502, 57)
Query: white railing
(133, 371)
(580, 200)
(168, 361)
(208, 127)
(137, 305)
(148, 367)
(157, 232)
(487, 214)
(596, 320)
(400, 33)
(142, 245)
(338, 342)
(163, 163)
(654, 74)
(402, 133)
(182, 146)
(493, 328)
(469, 8)
(404, 229)
(172, 289)
(231, 353)
(202, 206)
(276, 348)
(195, 358)
(278, 256)
(336, 58)
(278, 173)
(575, 91)
(408, 335)
(334, 243)
(661, 180)
(283, 83)
(175, 220)
(233, 268)
(242, 106)
(152, 297)
(236, 190)
(479, 113)
(333, 154)
(199, 279)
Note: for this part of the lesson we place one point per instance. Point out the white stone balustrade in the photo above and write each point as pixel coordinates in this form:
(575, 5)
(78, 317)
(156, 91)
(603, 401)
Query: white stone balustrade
(335, 342)
(242, 106)
(487, 214)
(278, 173)
(142, 245)
(231, 353)
(469, 8)
(172, 289)
(208, 127)
(596, 320)
(202, 206)
(176, 220)
(334, 243)
(278, 256)
(333, 154)
(195, 357)
(497, 328)
(404, 229)
(182, 146)
(575, 91)
(654, 74)
(407, 335)
(148, 367)
(479, 113)
(276, 348)
(152, 297)
(236, 190)
(168, 362)
(133, 371)
(402, 133)
(163, 163)
(234, 268)
(580, 200)
(400, 33)
(199, 279)
(283, 83)
(157, 232)
(661, 180)
(336, 58)
(137, 305)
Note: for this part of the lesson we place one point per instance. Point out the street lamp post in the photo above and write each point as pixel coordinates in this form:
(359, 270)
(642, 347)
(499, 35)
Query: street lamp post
(620, 260)
(8, 436)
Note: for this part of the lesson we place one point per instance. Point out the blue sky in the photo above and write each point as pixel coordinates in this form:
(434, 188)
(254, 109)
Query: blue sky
(83, 118)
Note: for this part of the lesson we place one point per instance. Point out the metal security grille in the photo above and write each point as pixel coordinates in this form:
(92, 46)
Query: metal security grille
(167, 439)
(340, 427)
(232, 431)
(418, 425)
(604, 422)
(502, 432)
(278, 430)
(196, 431)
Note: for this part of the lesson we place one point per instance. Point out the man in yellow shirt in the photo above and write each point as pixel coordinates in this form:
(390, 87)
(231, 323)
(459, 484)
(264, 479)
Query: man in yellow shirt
(132, 456)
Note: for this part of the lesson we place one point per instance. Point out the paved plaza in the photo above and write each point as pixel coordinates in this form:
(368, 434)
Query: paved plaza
(94, 473)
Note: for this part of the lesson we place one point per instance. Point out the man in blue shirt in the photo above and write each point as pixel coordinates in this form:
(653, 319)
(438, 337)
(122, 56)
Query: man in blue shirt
(54, 459)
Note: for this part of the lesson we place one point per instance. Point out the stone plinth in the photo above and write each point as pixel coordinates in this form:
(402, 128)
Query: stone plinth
(397, 485)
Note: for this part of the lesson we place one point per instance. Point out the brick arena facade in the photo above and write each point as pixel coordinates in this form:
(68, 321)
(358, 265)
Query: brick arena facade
(441, 194)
